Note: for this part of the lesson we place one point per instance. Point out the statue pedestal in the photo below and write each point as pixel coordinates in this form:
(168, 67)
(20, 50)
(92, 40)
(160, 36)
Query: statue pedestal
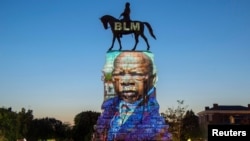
(130, 109)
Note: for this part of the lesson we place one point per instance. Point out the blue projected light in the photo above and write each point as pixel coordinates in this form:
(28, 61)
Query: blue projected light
(130, 109)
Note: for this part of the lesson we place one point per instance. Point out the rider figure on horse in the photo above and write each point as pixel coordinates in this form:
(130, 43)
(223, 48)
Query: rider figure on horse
(126, 14)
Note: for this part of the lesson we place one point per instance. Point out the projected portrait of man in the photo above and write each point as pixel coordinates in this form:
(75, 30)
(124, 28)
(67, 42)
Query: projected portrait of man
(133, 114)
(132, 76)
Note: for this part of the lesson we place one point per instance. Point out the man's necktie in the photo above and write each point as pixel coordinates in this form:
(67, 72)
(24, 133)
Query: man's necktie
(124, 112)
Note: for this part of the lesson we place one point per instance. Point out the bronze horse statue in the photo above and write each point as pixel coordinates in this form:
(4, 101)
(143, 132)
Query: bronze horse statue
(120, 28)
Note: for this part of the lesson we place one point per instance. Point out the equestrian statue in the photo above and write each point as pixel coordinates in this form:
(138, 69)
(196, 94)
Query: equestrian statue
(126, 26)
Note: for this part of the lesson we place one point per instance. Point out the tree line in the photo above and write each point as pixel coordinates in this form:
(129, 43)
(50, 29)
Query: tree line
(183, 124)
(22, 124)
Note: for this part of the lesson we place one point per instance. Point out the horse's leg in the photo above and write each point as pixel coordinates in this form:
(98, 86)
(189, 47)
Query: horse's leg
(119, 41)
(136, 41)
(146, 40)
(112, 45)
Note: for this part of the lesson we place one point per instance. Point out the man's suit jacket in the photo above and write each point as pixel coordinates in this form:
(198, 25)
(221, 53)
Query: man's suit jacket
(145, 123)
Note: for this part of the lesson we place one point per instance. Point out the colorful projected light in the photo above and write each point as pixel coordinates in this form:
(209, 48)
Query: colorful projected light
(130, 109)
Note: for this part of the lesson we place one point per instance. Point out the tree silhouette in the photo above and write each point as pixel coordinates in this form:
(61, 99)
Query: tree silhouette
(8, 127)
(48, 128)
(24, 120)
(190, 126)
(174, 117)
(84, 125)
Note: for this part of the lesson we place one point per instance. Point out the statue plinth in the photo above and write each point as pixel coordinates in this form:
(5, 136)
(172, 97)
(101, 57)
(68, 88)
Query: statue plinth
(130, 108)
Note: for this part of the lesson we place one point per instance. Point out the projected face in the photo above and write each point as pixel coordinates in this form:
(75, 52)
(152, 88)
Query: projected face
(132, 75)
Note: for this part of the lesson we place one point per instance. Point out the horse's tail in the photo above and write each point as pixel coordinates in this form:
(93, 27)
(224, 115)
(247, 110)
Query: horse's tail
(150, 29)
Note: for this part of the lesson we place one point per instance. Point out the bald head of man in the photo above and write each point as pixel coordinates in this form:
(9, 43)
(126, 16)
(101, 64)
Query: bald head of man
(132, 75)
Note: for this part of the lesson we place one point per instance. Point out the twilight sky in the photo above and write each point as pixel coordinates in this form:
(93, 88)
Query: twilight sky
(52, 53)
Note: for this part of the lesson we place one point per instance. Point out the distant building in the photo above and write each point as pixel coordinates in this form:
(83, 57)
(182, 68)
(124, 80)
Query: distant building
(224, 114)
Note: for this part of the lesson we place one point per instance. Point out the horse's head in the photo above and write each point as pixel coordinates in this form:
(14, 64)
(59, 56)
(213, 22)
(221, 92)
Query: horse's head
(107, 19)
(104, 22)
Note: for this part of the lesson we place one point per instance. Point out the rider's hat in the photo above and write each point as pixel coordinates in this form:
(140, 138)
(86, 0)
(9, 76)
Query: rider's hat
(127, 4)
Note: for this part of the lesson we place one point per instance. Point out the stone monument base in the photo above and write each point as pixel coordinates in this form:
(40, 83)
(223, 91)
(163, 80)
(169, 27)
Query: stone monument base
(129, 73)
